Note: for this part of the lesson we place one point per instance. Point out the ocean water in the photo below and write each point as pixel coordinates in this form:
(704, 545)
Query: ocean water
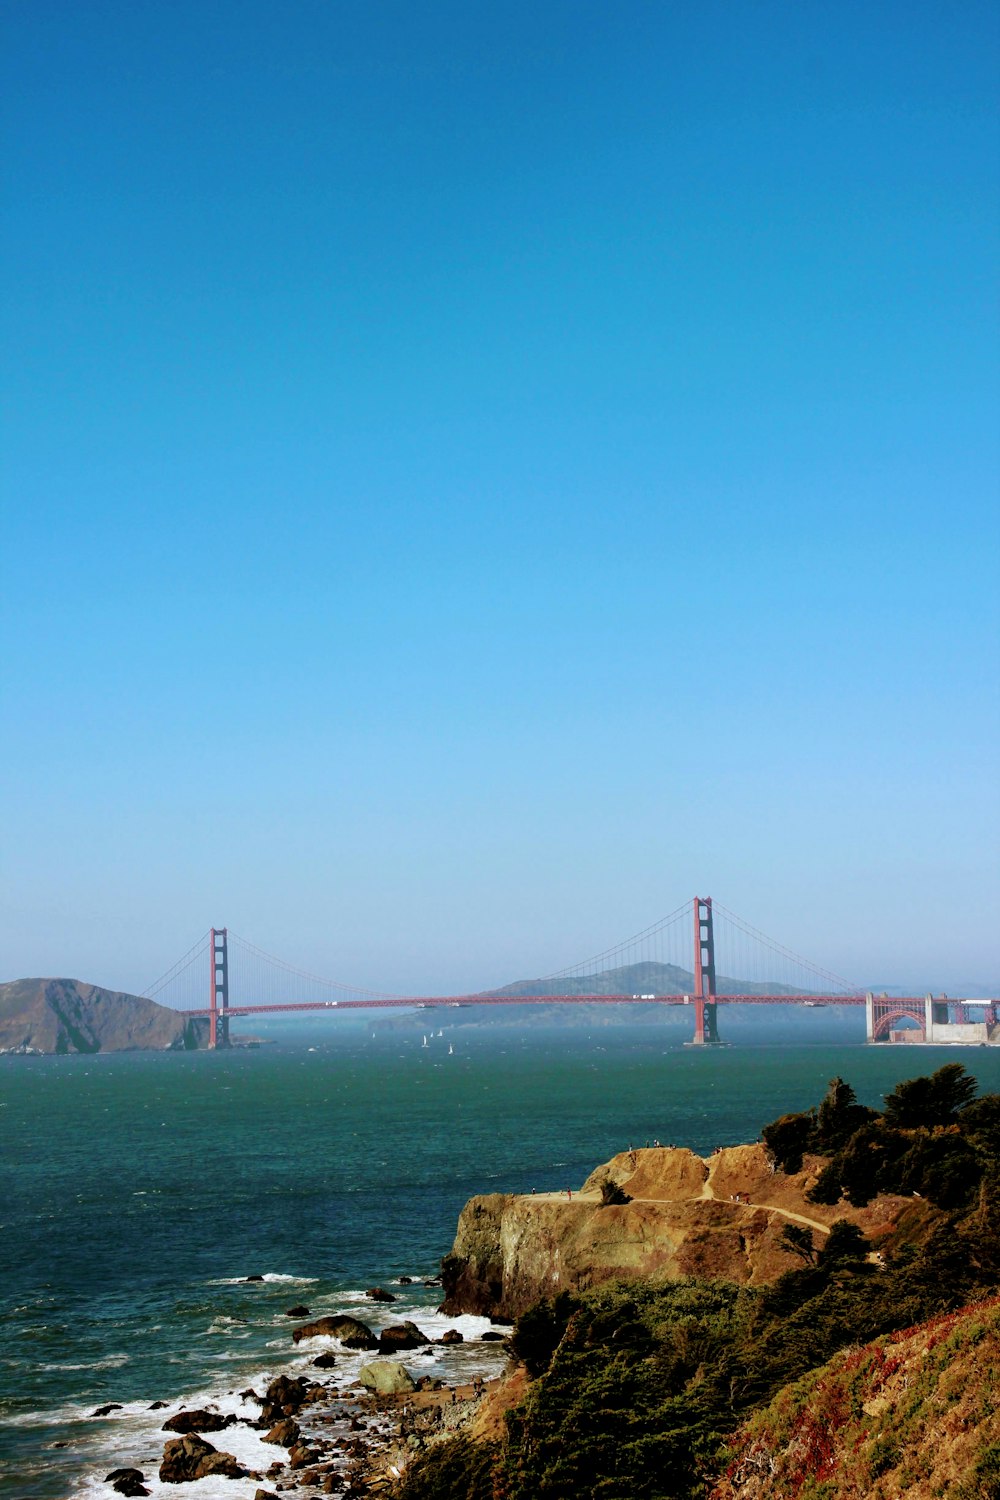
(138, 1191)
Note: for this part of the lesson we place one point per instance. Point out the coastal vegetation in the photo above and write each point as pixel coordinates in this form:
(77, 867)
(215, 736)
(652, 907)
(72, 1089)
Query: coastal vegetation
(934, 1139)
(638, 1390)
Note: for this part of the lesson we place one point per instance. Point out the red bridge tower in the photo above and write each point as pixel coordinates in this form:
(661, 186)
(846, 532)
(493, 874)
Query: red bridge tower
(706, 1029)
(218, 990)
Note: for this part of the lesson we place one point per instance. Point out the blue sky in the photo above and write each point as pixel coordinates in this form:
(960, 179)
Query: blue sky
(476, 475)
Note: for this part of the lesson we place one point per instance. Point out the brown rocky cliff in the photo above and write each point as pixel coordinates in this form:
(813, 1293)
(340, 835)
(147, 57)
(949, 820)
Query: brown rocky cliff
(66, 1015)
(684, 1220)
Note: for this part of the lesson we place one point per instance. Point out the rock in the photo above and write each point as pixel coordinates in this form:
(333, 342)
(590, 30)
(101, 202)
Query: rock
(298, 1311)
(158, 1406)
(248, 1395)
(264, 1495)
(452, 1336)
(301, 1456)
(198, 1421)
(127, 1481)
(223, 1464)
(386, 1378)
(351, 1332)
(102, 1411)
(190, 1457)
(118, 1474)
(405, 1280)
(325, 1361)
(285, 1392)
(379, 1294)
(286, 1432)
(255, 1277)
(491, 1337)
(401, 1336)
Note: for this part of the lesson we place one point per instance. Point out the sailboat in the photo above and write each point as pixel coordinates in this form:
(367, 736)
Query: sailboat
(424, 1042)
(451, 1050)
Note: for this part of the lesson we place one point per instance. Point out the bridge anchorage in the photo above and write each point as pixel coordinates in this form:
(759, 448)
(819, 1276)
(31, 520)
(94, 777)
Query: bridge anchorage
(656, 966)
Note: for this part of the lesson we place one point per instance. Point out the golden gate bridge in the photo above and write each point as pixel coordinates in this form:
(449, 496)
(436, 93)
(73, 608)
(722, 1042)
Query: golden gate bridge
(229, 977)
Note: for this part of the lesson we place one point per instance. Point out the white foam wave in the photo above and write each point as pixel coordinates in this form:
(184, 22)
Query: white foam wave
(112, 1362)
(268, 1276)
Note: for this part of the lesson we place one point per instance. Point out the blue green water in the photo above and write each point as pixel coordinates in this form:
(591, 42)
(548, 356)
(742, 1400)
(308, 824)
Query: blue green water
(137, 1189)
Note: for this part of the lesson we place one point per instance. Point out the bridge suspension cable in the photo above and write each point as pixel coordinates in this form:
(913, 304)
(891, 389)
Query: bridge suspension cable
(257, 960)
(786, 955)
(644, 940)
(199, 949)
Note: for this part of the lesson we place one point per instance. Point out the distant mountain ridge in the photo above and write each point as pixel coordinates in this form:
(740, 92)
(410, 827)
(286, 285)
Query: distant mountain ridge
(66, 1015)
(640, 979)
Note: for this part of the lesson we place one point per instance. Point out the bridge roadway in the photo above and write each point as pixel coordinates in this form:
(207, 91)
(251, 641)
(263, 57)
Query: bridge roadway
(443, 1002)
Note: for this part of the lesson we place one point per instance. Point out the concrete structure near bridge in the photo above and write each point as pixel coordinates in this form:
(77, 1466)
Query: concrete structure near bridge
(937, 1022)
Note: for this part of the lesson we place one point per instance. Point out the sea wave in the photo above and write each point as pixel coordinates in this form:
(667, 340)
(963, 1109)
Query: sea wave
(268, 1276)
(110, 1362)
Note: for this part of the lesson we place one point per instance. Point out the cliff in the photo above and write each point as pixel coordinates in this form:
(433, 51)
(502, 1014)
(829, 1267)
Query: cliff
(65, 1015)
(915, 1414)
(719, 1219)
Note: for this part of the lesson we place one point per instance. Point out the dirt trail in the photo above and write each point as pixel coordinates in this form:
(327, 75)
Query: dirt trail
(771, 1208)
(708, 1194)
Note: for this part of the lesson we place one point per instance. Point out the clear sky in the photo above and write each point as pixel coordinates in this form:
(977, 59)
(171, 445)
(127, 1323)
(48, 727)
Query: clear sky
(477, 474)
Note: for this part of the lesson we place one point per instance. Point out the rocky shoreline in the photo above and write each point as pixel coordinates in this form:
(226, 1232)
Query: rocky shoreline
(352, 1436)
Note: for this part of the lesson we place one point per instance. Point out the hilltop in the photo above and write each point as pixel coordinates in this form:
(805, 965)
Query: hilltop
(67, 1015)
(638, 979)
(659, 1212)
(632, 979)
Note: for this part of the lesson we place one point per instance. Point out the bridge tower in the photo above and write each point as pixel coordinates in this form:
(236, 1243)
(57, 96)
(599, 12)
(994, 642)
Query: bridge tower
(706, 1029)
(218, 990)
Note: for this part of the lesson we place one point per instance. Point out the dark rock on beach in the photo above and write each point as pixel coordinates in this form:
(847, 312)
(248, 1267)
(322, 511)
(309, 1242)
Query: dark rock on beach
(452, 1336)
(325, 1361)
(198, 1421)
(401, 1336)
(297, 1312)
(283, 1399)
(254, 1277)
(491, 1337)
(127, 1481)
(351, 1332)
(405, 1280)
(190, 1457)
(379, 1294)
(158, 1405)
(103, 1411)
(301, 1456)
(286, 1432)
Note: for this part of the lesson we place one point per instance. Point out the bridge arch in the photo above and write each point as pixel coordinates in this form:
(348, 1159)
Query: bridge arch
(885, 1018)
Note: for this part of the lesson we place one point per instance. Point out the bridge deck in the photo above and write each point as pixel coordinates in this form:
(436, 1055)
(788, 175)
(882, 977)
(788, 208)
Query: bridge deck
(445, 1001)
